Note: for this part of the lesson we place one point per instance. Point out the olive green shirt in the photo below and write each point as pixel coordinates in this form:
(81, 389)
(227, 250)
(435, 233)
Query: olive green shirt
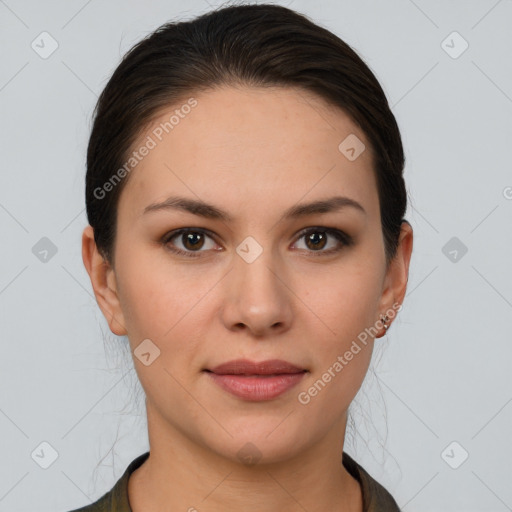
(375, 497)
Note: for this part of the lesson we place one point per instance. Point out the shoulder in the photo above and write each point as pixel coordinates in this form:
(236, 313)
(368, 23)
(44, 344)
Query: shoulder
(376, 497)
(116, 500)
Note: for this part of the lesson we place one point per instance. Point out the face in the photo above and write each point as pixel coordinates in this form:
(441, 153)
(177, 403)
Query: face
(258, 276)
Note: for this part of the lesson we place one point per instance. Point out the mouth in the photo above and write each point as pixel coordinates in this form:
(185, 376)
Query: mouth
(247, 367)
(256, 381)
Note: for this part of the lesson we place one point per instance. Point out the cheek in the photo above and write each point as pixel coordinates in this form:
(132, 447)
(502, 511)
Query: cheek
(335, 382)
(343, 300)
(343, 306)
(147, 301)
(160, 300)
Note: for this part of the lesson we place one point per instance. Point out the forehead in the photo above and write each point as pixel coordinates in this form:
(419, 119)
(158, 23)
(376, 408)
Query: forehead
(244, 146)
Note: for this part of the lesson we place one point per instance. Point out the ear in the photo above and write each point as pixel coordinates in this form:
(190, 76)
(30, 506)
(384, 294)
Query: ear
(103, 282)
(397, 275)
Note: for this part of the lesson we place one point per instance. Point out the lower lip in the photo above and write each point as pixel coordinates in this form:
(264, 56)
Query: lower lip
(257, 388)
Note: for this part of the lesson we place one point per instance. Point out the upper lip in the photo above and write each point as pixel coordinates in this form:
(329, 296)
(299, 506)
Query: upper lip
(247, 367)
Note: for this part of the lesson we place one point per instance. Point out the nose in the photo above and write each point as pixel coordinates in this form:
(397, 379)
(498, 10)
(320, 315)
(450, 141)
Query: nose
(257, 296)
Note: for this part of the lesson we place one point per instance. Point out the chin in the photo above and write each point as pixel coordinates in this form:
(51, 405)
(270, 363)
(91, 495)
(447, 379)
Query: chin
(260, 442)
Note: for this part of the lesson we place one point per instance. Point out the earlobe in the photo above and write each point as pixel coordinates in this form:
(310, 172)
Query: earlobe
(103, 283)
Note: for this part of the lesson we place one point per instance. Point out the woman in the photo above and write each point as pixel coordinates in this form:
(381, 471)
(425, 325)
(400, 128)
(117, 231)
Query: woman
(245, 197)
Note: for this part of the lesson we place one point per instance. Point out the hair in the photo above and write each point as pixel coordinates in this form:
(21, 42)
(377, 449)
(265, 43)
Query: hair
(260, 45)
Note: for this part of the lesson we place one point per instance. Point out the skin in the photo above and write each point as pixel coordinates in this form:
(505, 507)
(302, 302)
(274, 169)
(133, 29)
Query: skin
(254, 153)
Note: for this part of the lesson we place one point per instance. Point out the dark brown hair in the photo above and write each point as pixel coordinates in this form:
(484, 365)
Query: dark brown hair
(253, 45)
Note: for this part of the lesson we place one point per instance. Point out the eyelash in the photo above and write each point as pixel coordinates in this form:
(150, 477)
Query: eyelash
(343, 238)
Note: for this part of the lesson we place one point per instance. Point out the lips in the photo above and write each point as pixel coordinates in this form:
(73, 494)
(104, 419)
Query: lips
(247, 367)
(256, 382)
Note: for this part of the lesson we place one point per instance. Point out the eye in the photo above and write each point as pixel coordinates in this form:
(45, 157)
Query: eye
(316, 239)
(191, 239)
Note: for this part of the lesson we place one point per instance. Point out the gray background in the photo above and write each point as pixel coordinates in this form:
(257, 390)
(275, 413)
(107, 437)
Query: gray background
(440, 375)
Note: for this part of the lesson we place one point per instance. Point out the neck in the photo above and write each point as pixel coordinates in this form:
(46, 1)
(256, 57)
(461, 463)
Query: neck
(181, 474)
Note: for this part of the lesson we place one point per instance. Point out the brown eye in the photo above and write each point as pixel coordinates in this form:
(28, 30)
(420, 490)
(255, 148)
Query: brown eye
(188, 241)
(316, 239)
(192, 240)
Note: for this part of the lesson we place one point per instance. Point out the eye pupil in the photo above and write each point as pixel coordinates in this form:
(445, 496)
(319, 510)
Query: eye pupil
(316, 237)
(192, 237)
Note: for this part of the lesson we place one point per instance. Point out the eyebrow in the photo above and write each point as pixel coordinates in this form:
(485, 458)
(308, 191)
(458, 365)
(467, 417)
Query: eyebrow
(209, 211)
